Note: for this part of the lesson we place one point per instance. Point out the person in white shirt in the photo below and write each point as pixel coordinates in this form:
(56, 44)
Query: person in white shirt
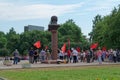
(75, 54)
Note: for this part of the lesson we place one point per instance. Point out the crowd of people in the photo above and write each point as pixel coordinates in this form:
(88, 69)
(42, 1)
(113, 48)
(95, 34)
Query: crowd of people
(74, 56)
(71, 55)
(91, 55)
(36, 55)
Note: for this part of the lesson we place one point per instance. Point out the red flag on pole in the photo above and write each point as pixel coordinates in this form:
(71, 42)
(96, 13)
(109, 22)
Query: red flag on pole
(63, 47)
(68, 52)
(46, 47)
(93, 46)
(78, 49)
(37, 44)
(104, 48)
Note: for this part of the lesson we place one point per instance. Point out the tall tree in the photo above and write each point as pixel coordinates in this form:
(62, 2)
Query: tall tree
(13, 40)
(69, 30)
(3, 40)
(106, 30)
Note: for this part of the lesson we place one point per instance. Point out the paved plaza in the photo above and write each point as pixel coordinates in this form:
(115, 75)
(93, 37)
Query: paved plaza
(25, 64)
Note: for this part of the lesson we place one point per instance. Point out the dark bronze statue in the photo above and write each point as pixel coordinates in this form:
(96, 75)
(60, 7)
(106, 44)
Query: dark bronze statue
(53, 20)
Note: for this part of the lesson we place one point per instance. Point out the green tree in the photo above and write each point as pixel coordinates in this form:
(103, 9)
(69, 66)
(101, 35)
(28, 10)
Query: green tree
(4, 52)
(3, 40)
(13, 40)
(106, 30)
(69, 30)
(27, 39)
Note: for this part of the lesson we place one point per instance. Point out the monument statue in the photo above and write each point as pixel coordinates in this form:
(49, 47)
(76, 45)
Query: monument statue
(53, 20)
(52, 27)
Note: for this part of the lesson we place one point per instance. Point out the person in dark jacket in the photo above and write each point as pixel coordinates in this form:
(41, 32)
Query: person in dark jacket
(16, 56)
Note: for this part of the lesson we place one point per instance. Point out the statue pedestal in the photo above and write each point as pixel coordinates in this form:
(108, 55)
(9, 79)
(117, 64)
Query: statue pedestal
(58, 61)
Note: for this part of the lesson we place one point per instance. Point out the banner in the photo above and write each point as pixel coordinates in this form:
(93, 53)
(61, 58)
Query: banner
(78, 49)
(37, 44)
(63, 47)
(104, 48)
(94, 46)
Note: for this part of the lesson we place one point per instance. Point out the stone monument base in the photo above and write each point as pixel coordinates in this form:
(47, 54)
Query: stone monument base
(54, 61)
(7, 62)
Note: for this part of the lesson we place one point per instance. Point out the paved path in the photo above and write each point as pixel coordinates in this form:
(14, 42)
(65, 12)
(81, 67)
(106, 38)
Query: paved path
(25, 64)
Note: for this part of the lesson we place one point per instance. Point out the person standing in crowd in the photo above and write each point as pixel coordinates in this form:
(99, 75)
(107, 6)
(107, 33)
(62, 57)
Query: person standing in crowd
(60, 55)
(69, 57)
(99, 54)
(31, 57)
(48, 55)
(111, 55)
(16, 56)
(65, 55)
(114, 56)
(42, 55)
(103, 55)
(81, 56)
(91, 55)
(88, 56)
(118, 55)
(75, 54)
(35, 56)
(84, 56)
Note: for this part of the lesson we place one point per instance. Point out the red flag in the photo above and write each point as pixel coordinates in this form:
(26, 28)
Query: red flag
(63, 47)
(68, 52)
(68, 42)
(104, 48)
(46, 47)
(78, 49)
(93, 46)
(37, 44)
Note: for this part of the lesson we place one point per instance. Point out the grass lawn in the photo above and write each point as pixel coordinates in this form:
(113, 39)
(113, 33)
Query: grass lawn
(106, 72)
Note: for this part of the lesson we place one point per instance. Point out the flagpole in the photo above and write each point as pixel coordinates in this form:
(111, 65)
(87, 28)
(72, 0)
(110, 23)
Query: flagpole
(69, 43)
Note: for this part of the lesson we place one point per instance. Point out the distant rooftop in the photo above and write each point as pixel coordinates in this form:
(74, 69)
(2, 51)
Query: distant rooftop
(33, 27)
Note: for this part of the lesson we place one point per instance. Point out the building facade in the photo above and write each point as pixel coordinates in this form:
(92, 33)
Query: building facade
(33, 27)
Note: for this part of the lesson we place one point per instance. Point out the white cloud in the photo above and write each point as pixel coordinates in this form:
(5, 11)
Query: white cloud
(10, 11)
(99, 5)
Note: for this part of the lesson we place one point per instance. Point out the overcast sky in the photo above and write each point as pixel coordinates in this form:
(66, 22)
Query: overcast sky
(20, 13)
